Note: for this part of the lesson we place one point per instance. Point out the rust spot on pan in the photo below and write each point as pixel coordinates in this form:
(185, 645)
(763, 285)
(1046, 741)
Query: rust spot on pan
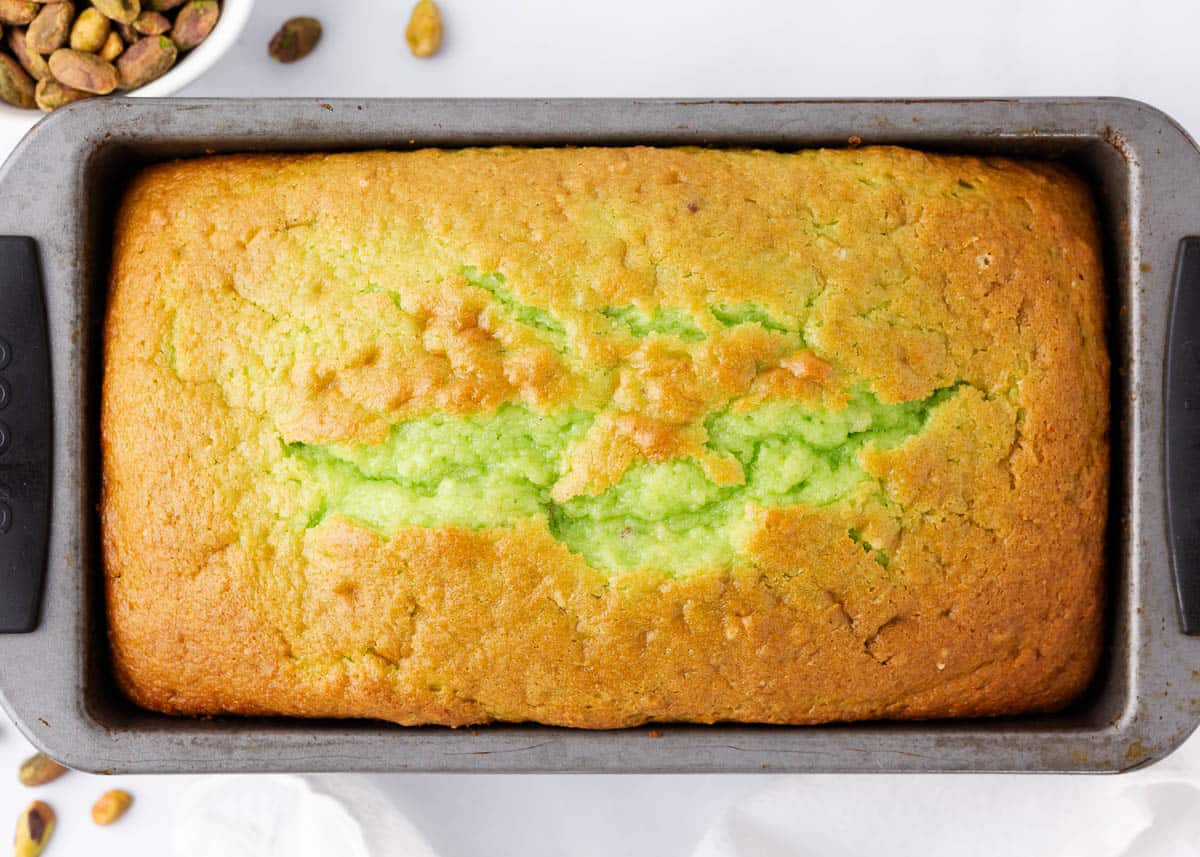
(1136, 751)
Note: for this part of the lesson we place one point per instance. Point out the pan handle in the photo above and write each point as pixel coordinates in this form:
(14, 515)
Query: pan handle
(25, 435)
(1182, 408)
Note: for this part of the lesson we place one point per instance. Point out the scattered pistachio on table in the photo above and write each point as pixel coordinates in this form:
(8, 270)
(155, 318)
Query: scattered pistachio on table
(110, 806)
(38, 770)
(53, 53)
(34, 828)
(424, 32)
(295, 39)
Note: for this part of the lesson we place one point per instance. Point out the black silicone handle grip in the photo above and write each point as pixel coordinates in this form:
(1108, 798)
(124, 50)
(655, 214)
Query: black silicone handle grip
(1183, 433)
(25, 435)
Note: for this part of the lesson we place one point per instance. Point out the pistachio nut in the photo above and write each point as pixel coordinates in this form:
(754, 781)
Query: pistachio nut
(18, 11)
(38, 770)
(110, 806)
(34, 828)
(49, 30)
(162, 5)
(90, 31)
(51, 95)
(194, 22)
(295, 39)
(124, 11)
(424, 33)
(33, 63)
(145, 60)
(83, 71)
(112, 48)
(151, 24)
(16, 87)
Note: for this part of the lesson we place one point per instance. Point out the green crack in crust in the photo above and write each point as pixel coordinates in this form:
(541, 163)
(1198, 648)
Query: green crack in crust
(667, 321)
(492, 470)
(526, 314)
(664, 320)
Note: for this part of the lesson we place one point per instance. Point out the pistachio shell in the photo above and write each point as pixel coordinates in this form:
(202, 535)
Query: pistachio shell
(49, 30)
(16, 87)
(90, 31)
(83, 71)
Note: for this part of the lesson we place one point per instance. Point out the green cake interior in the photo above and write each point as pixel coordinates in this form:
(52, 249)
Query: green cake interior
(490, 470)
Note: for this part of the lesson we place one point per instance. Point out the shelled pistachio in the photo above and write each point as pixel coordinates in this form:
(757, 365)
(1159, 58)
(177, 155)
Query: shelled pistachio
(113, 46)
(145, 60)
(18, 12)
(38, 770)
(51, 95)
(34, 63)
(90, 31)
(424, 32)
(49, 30)
(83, 71)
(124, 11)
(110, 806)
(151, 24)
(16, 87)
(35, 826)
(295, 39)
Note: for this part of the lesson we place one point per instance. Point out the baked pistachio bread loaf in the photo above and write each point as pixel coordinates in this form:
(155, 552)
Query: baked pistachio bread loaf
(597, 437)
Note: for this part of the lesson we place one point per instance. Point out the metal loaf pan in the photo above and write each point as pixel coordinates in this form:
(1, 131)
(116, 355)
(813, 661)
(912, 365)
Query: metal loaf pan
(60, 188)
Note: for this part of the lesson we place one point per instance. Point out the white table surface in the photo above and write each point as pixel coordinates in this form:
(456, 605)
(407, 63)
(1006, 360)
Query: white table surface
(666, 48)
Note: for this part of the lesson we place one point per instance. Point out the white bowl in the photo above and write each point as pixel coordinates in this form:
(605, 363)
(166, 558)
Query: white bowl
(234, 14)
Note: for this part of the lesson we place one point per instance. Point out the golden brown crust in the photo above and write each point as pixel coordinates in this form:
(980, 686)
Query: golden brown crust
(906, 272)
